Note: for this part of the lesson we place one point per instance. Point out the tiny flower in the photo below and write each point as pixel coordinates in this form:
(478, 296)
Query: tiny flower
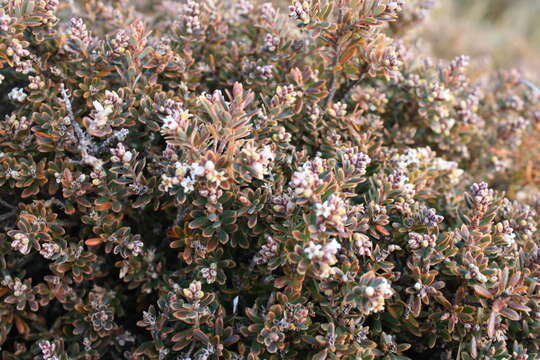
(194, 291)
(264, 72)
(313, 251)
(271, 42)
(286, 94)
(299, 10)
(244, 7)
(188, 184)
(5, 20)
(48, 350)
(268, 11)
(21, 243)
(197, 170)
(370, 291)
(17, 94)
(338, 110)
(101, 114)
(48, 250)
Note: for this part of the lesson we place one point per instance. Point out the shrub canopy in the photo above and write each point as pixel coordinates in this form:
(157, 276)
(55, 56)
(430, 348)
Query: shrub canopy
(235, 180)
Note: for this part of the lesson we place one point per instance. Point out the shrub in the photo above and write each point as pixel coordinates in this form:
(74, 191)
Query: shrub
(207, 180)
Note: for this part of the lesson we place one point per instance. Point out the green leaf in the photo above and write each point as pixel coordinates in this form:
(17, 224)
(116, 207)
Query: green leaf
(199, 222)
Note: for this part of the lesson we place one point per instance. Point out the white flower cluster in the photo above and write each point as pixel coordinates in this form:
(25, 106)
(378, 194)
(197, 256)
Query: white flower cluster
(474, 273)
(417, 241)
(136, 247)
(395, 6)
(507, 232)
(324, 255)
(35, 83)
(271, 42)
(186, 176)
(299, 10)
(16, 52)
(268, 11)
(333, 212)
(267, 252)
(400, 180)
(306, 179)
(363, 244)
(210, 273)
(425, 157)
(413, 156)
(112, 98)
(48, 250)
(443, 165)
(338, 109)
(286, 94)
(377, 295)
(120, 154)
(481, 193)
(21, 243)
(48, 350)
(358, 159)
(175, 120)
(264, 71)
(16, 285)
(78, 31)
(194, 292)
(190, 17)
(259, 160)
(100, 114)
(17, 94)
(244, 7)
(455, 173)
(5, 20)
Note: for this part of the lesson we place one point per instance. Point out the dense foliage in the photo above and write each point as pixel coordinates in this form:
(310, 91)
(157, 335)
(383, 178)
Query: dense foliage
(245, 180)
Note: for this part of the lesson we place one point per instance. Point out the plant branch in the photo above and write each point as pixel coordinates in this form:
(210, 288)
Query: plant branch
(86, 146)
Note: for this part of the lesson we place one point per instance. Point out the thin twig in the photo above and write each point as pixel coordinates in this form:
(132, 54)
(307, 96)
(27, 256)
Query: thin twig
(8, 205)
(86, 146)
(119, 135)
(8, 215)
(84, 140)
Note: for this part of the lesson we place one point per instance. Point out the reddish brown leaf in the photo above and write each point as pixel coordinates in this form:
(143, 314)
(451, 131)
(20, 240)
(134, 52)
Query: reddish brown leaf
(94, 241)
(482, 291)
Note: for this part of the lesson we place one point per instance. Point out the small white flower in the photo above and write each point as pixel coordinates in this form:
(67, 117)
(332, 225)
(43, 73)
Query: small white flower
(509, 239)
(325, 209)
(102, 113)
(188, 184)
(17, 94)
(196, 169)
(169, 123)
(209, 165)
(313, 251)
(267, 153)
(385, 289)
(370, 291)
(127, 156)
(332, 247)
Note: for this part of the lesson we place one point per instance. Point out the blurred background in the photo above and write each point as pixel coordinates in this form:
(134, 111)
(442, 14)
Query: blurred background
(504, 33)
(497, 35)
